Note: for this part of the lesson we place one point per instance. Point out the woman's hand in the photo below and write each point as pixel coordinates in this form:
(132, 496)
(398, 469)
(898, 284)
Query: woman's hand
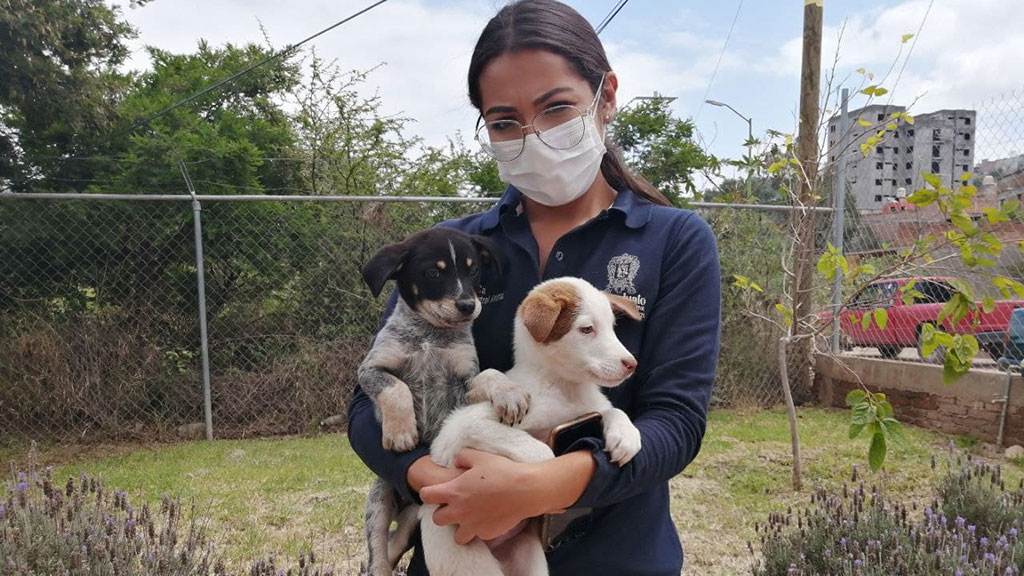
(424, 472)
(491, 497)
(493, 494)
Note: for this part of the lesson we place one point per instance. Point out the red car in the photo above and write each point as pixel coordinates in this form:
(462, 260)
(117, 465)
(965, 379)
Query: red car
(903, 329)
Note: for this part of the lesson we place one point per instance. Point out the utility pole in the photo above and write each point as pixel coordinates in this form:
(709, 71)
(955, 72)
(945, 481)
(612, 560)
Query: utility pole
(803, 219)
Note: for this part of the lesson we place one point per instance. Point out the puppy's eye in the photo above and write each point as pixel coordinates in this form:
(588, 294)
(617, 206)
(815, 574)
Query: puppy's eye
(433, 273)
(586, 329)
(474, 271)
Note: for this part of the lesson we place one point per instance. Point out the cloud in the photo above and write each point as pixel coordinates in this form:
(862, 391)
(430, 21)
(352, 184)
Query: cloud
(425, 48)
(968, 51)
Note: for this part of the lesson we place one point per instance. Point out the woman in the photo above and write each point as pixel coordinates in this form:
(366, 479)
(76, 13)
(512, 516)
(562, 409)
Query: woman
(546, 93)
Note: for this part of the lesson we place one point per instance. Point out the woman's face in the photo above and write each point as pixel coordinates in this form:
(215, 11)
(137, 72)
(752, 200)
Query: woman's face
(519, 85)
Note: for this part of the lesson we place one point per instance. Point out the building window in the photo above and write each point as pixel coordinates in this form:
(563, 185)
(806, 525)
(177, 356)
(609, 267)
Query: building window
(896, 134)
(967, 152)
(910, 165)
(967, 136)
(878, 149)
(909, 181)
(935, 167)
(878, 181)
(910, 132)
(878, 165)
(881, 117)
(895, 150)
(832, 128)
(936, 134)
(965, 167)
(894, 182)
(910, 149)
(936, 152)
(967, 120)
(878, 197)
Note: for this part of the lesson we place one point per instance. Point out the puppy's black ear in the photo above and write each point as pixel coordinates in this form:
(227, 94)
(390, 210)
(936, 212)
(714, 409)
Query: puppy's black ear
(383, 265)
(490, 254)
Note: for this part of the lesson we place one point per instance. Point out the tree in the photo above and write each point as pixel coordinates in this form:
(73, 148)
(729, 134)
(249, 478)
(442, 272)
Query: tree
(59, 86)
(659, 146)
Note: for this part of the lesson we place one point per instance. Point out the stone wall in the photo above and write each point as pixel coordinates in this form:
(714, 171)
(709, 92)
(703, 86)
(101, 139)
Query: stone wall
(969, 406)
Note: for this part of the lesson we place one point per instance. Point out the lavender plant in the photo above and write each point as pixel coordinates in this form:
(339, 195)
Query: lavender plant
(971, 528)
(84, 529)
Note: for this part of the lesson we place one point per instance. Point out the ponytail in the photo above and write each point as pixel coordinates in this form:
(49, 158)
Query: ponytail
(620, 177)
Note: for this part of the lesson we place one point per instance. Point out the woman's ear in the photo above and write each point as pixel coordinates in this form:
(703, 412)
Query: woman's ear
(608, 101)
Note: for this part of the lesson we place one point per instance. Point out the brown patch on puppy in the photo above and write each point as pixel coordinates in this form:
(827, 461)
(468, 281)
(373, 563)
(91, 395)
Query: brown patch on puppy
(623, 306)
(548, 313)
(441, 264)
(415, 290)
(469, 262)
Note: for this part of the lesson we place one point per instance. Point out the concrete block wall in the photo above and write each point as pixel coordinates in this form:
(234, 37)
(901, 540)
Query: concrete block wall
(969, 406)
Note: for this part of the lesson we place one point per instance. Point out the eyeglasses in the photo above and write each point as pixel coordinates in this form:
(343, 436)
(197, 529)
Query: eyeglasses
(559, 127)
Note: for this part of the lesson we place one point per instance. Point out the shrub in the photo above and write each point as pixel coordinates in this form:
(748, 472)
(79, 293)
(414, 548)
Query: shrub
(971, 529)
(84, 529)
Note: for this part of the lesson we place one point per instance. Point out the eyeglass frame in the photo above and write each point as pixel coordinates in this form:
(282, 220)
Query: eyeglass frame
(583, 114)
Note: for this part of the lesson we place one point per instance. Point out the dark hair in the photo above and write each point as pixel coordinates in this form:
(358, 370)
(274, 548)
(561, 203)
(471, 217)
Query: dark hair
(554, 27)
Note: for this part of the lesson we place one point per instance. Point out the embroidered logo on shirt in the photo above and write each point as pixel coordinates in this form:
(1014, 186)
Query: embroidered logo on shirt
(622, 272)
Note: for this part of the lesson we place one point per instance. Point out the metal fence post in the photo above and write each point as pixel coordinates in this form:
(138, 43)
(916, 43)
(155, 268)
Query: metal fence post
(201, 285)
(839, 192)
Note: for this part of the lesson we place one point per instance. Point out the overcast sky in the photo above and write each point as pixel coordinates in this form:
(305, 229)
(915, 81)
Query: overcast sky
(968, 52)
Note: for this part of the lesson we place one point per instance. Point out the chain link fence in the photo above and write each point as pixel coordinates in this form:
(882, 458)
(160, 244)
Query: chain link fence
(980, 148)
(99, 310)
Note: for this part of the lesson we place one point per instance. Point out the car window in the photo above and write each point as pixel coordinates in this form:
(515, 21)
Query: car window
(934, 292)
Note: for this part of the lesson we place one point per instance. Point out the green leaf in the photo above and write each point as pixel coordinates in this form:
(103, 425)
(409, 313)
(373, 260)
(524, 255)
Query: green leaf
(876, 453)
(988, 304)
(862, 414)
(865, 321)
(895, 431)
(908, 119)
(881, 317)
(855, 429)
(964, 223)
(906, 38)
(922, 197)
(869, 91)
(856, 396)
(932, 179)
(884, 409)
(881, 91)
(863, 122)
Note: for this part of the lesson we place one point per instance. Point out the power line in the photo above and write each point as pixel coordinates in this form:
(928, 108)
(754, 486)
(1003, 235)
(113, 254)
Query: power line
(892, 92)
(611, 15)
(286, 50)
(719, 62)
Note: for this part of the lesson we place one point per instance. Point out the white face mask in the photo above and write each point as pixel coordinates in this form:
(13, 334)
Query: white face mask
(556, 177)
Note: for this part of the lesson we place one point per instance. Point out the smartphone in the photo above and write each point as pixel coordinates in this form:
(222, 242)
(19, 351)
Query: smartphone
(564, 435)
(560, 439)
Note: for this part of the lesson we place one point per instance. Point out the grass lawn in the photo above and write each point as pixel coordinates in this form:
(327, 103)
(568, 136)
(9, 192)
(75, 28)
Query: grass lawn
(279, 496)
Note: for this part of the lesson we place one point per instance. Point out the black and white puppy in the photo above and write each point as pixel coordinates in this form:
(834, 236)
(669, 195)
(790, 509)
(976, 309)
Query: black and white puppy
(421, 361)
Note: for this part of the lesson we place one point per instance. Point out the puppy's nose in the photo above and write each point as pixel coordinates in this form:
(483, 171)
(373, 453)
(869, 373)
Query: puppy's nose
(465, 306)
(629, 364)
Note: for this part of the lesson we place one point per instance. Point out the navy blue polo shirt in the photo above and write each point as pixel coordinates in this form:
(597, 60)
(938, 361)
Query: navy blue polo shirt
(666, 261)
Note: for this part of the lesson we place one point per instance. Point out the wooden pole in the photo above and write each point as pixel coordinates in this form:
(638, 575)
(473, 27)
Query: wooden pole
(807, 151)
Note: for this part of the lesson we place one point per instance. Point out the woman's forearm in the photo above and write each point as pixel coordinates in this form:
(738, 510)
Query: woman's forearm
(561, 481)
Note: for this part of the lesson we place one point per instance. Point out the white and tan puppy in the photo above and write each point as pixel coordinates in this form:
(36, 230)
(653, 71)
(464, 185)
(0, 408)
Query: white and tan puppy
(565, 352)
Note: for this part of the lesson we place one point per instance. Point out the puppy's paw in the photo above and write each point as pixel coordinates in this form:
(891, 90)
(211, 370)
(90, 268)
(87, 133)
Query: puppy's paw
(510, 402)
(622, 442)
(399, 434)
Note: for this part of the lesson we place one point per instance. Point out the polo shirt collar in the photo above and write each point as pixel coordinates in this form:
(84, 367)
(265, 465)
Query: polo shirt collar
(636, 210)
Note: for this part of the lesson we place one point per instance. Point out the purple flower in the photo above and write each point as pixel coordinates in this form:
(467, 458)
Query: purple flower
(990, 557)
(828, 553)
(22, 486)
(857, 563)
(842, 542)
(970, 528)
(983, 541)
(958, 572)
(3, 510)
(1013, 532)
(960, 521)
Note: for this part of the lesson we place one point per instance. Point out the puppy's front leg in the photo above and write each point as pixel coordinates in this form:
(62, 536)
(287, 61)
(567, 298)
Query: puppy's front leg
(510, 402)
(621, 438)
